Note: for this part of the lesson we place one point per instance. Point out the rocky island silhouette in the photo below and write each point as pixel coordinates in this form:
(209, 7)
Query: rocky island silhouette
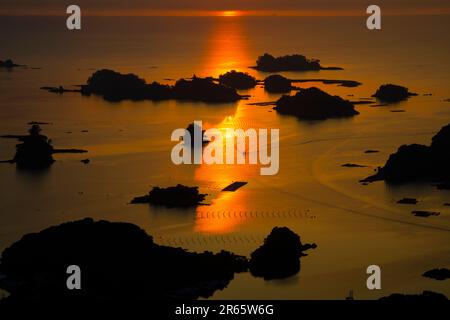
(295, 62)
(277, 84)
(418, 162)
(9, 64)
(178, 196)
(114, 86)
(391, 93)
(119, 259)
(238, 80)
(279, 256)
(36, 150)
(315, 104)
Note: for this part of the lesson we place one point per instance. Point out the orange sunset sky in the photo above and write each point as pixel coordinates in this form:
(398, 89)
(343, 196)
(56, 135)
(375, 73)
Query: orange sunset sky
(226, 8)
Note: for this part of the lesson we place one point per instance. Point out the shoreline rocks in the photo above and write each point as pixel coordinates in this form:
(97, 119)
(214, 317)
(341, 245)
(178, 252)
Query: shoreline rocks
(315, 104)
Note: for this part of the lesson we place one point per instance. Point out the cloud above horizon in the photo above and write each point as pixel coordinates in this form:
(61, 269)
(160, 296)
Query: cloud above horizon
(42, 6)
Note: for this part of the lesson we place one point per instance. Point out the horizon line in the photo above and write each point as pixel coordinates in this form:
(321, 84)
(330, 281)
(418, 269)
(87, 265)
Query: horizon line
(231, 13)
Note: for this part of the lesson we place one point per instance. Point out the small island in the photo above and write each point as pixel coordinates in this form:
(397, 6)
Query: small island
(238, 80)
(277, 84)
(8, 64)
(179, 196)
(114, 87)
(390, 93)
(296, 62)
(204, 90)
(439, 274)
(36, 150)
(315, 104)
(418, 162)
(279, 256)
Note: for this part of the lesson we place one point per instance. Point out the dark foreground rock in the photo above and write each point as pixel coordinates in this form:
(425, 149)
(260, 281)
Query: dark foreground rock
(121, 261)
(393, 93)
(315, 104)
(35, 152)
(238, 80)
(438, 274)
(296, 62)
(277, 84)
(116, 260)
(179, 196)
(279, 256)
(424, 296)
(114, 86)
(418, 162)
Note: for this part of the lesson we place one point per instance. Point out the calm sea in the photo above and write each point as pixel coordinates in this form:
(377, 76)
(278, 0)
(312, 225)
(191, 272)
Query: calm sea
(129, 143)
